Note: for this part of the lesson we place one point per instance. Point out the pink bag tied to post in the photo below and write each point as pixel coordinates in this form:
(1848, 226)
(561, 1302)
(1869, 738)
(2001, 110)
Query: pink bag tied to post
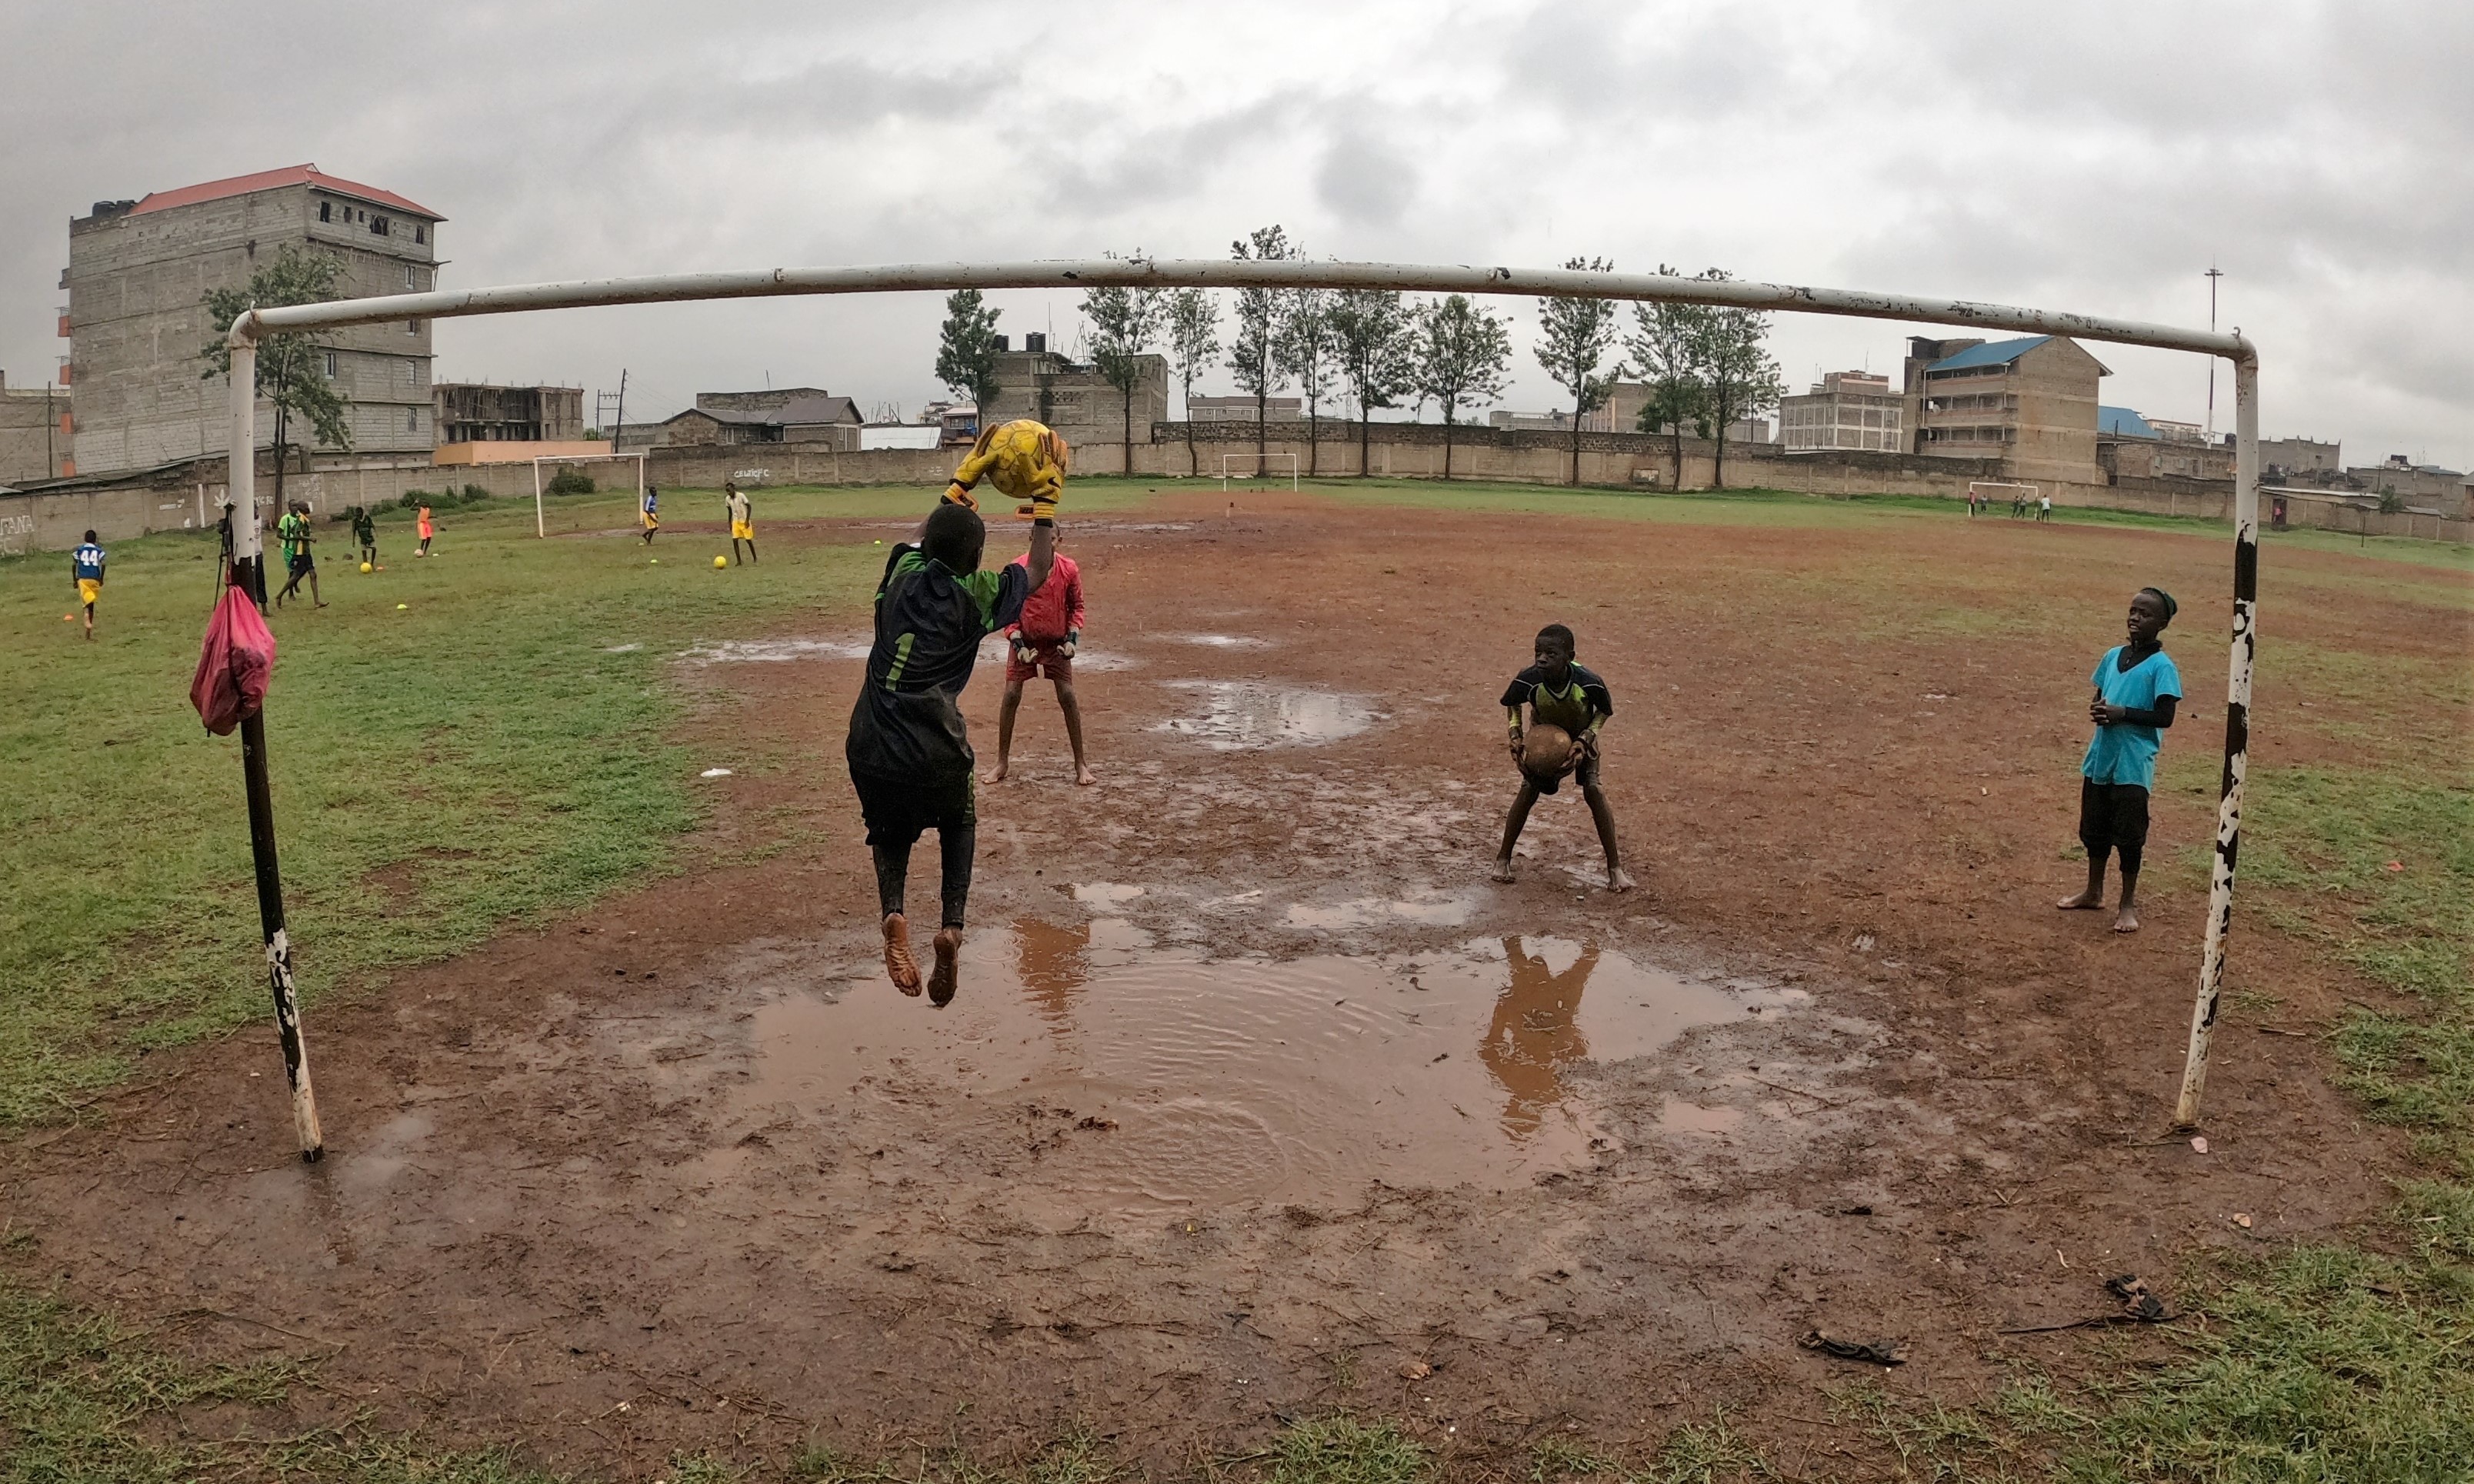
(236, 665)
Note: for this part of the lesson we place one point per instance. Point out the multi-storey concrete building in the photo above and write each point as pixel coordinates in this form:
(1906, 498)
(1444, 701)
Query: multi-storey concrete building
(1850, 409)
(2130, 445)
(2030, 402)
(474, 412)
(1076, 399)
(34, 433)
(2285, 458)
(139, 270)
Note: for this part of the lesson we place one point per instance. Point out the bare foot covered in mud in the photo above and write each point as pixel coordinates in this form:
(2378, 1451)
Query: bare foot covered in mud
(1619, 880)
(1503, 870)
(899, 965)
(996, 774)
(946, 976)
(2126, 920)
(2085, 901)
(1083, 777)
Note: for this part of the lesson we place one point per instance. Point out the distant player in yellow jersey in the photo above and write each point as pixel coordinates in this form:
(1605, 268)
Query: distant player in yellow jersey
(743, 519)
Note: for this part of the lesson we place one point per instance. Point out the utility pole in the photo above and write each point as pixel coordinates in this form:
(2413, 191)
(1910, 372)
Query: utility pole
(621, 413)
(2214, 274)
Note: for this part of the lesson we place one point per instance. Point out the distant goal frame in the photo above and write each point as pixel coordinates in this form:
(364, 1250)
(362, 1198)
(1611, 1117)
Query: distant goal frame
(541, 526)
(1258, 471)
(1074, 274)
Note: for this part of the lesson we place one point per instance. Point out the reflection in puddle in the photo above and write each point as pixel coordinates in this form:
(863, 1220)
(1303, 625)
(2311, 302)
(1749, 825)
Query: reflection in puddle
(1222, 641)
(1180, 1082)
(1242, 714)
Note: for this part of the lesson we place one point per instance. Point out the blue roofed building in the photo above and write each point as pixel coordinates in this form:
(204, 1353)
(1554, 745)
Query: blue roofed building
(2030, 403)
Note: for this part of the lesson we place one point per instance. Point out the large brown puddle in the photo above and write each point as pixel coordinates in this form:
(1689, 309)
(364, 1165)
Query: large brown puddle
(1240, 715)
(1150, 1080)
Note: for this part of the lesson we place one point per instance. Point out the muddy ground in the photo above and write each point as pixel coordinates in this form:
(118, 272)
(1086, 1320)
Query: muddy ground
(1259, 1097)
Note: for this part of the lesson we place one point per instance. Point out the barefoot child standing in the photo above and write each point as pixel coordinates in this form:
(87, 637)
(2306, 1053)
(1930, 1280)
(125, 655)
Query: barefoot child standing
(2136, 689)
(1044, 641)
(909, 753)
(1558, 693)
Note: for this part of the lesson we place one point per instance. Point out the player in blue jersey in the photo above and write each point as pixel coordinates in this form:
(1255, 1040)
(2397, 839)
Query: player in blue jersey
(2136, 689)
(86, 567)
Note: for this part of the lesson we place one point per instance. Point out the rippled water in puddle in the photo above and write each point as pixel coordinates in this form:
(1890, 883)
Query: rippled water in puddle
(1243, 714)
(1147, 1080)
(777, 651)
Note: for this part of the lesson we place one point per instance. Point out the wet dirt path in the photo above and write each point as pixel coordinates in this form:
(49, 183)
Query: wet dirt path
(1259, 1097)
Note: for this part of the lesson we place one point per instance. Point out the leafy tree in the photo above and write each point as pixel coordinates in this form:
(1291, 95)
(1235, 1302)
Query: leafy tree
(1462, 354)
(1574, 336)
(1253, 357)
(291, 368)
(1193, 339)
(1736, 367)
(966, 350)
(1124, 322)
(1665, 346)
(1373, 335)
(1301, 345)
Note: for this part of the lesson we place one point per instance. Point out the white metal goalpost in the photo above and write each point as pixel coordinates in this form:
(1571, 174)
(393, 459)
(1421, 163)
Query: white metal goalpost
(1210, 273)
(540, 526)
(1259, 470)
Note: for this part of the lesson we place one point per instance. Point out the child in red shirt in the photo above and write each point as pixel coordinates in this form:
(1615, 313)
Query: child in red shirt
(1044, 641)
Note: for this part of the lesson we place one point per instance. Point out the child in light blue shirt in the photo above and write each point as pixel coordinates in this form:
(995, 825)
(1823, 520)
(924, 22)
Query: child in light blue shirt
(2136, 689)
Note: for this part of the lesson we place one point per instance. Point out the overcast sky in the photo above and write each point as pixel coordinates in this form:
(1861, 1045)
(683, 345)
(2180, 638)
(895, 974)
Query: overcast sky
(2084, 157)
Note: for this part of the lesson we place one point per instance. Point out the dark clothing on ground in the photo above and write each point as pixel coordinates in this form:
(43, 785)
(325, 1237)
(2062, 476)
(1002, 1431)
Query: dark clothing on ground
(2113, 817)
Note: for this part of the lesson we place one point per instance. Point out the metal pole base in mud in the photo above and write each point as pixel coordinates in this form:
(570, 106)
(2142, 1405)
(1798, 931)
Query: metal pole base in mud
(279, 946)
(249, 562)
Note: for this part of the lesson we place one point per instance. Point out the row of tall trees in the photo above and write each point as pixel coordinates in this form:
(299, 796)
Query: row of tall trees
(1705, 366)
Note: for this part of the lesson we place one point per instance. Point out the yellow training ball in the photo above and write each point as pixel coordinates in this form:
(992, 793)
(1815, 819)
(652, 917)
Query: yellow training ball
(366, 566)
(400, 607)
(657, 561)
(720, 562)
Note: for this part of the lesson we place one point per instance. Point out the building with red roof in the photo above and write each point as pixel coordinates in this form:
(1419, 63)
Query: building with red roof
(139, 270)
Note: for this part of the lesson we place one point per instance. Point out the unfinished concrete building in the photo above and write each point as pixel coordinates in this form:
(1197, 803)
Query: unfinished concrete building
(472, 412)
(1076, 400)
(35, 434)
(1849, 410)
(2030, 402)
(139, 270)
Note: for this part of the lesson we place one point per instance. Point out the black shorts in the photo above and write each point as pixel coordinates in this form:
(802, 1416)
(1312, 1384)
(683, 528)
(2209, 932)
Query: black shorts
(1586, 775)
(898, 809)
(2112, 814)
(302, 564)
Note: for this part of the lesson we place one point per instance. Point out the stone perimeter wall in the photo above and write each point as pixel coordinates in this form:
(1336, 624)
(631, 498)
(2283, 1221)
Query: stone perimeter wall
(190, 497)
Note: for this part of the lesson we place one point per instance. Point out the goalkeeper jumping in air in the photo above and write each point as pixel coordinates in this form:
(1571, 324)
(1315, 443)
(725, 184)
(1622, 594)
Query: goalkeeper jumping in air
(910, 753)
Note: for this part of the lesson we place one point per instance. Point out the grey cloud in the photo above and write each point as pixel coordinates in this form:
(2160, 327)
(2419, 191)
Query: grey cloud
(1364, 181)
(2088, 157)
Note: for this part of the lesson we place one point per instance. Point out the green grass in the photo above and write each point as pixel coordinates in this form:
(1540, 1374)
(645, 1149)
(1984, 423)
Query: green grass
(499, 749)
